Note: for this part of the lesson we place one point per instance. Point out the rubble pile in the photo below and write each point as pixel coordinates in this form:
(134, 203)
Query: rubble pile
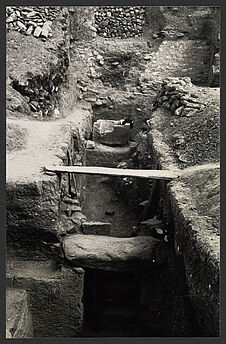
(176, 96)
(121, 22)
(32, 20)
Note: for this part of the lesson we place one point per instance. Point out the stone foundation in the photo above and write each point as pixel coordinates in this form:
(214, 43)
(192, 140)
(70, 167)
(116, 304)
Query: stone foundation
(19, 322)
(55, 296)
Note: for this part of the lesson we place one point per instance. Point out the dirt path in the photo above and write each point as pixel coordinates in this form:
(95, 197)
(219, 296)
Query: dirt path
(43, 143)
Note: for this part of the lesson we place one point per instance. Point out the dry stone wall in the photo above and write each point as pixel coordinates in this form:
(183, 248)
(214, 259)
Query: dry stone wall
(120, 22)
(177, 95)
(36, 21)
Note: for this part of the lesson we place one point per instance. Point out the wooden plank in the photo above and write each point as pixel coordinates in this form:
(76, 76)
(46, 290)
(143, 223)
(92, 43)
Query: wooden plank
(152, 174)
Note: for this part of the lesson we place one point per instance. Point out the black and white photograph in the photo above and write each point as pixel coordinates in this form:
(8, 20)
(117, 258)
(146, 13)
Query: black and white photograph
(112, 171)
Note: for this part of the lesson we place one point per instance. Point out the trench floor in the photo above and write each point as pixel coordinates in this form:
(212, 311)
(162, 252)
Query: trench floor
(102, 204)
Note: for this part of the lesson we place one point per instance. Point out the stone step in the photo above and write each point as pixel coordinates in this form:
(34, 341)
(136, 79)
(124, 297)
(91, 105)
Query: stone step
(103, 155)
(19, 322)
(55, 296)
(96, 228)
(111, 133)
(114, 254)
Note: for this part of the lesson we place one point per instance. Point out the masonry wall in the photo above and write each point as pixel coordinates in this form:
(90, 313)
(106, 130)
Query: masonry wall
(119, 22)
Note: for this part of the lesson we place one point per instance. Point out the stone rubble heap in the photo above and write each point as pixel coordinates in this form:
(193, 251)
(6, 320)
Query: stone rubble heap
(176, 96)
(121, 22)
(31, 20)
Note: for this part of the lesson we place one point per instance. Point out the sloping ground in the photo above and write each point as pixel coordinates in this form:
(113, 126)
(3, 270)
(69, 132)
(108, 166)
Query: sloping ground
(205, 187)
(195, 240)
(192, 139)
(194, 199)
(36, 72)
(38, 143)
(23, 60)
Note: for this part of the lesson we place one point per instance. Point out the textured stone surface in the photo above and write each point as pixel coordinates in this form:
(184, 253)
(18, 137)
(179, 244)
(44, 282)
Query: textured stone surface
(109, 253)
(110, 133)
(31, 20)
(37, 83)
(96, 228)
(120, 22)
(179, 21)
(81, 21)
(55, 296)
(179, 58)
(18, 315)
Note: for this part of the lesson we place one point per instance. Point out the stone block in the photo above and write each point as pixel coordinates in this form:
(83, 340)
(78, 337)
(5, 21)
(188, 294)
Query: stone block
(90, 144)
(18, 315)
(111, 133)
(55, 296)
(115, 254)
(96, 228)
(37, 31)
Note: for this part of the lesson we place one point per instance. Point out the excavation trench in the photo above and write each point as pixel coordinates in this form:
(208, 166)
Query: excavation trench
(120, 275)
(139, 299)
(104, 255)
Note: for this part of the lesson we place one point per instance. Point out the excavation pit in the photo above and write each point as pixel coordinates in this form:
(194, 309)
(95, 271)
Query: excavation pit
(113, 229)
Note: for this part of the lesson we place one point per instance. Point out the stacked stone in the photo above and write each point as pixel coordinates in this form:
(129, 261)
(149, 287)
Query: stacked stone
(73, 221)
(31, 20)
(120, 22)
(176, 96)
(41, 91)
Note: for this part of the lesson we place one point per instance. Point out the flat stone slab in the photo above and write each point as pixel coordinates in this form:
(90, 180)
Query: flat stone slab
(110, 253)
